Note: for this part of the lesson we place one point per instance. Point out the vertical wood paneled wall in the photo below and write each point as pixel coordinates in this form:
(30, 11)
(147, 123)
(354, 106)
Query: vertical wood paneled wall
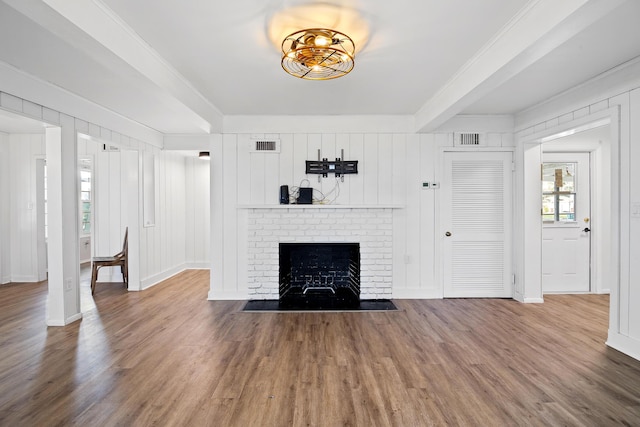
(182, 199)
(382, 163)
(179, 240)
(20, 241)
(197, 213)
(391, 168)
(5, 261)
(630, 319)
(158, 246)
(165, 250)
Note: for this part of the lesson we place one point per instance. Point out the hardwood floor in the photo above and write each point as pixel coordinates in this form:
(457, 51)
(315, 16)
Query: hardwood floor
(167, 356)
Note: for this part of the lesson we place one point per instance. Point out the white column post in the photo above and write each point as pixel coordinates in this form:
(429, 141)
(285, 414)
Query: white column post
(63, 301)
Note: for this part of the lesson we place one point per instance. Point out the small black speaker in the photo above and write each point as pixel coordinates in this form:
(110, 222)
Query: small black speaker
(284, 194)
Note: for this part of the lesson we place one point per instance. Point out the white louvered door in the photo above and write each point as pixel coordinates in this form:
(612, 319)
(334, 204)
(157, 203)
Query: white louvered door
(475, 224)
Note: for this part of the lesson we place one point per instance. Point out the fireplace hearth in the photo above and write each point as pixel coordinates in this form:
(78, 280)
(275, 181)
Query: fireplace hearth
(319, 275)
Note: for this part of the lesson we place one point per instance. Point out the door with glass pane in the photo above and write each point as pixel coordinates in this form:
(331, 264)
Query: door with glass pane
(566, 220)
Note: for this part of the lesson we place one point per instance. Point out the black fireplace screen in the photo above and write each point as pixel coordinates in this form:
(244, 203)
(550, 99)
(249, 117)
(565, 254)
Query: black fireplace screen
(320, 274)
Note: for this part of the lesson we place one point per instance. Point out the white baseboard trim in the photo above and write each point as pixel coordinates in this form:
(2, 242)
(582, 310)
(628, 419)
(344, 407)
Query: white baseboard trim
(416, 294)
(227, 296)
(64, 322)
(624, 344)
(24, 279)
(198, 266)
(157, 278)
(533, 300)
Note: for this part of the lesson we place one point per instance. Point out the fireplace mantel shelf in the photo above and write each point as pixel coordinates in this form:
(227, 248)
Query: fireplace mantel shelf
(319, 206)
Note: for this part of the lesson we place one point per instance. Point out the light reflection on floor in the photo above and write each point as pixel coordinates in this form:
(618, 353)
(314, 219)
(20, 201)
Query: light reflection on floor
(86, 299)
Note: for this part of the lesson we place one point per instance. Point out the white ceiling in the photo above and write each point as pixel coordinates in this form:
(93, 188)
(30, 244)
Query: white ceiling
(611, 41)
(181, 67)
(222, 50)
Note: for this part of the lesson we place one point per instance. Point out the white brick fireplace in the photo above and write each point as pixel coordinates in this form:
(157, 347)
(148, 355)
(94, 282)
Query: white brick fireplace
(370, 226)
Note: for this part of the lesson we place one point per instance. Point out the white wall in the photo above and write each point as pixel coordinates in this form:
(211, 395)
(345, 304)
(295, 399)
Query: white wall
(23, 151)
(197, 212)
(630, 316)
(180, 237)
(5, 191)
(391, 169)
(163, 246)
(179, 240)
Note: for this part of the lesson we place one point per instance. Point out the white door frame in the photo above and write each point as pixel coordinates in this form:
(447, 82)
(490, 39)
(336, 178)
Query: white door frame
(439, 261)
(528, 225)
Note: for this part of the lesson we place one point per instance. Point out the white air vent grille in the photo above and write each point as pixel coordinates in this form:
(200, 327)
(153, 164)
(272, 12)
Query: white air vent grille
(266, 145)
(108, 147)
(468, 139)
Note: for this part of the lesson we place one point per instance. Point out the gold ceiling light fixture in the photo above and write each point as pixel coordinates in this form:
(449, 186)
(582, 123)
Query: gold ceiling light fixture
(318, 54)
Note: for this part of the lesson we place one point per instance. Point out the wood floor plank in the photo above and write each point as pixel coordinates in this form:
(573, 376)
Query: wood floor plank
(167, 356)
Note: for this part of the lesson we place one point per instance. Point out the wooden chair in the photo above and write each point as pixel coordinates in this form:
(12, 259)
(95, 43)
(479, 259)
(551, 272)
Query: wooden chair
(121, 259)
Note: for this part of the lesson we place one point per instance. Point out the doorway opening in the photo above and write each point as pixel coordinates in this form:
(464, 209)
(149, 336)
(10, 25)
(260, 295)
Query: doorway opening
(86, 207)
(576, 172)
(603, 223)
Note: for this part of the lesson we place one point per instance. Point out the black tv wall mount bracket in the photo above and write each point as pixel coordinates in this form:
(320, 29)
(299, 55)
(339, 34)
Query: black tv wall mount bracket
(324, 167)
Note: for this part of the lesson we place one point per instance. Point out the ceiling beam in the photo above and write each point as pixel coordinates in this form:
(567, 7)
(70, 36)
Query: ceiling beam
(534, 32)
(101, 24)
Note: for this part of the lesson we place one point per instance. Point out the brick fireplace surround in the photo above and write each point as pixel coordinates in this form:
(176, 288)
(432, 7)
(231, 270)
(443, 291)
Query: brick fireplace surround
(372, 227)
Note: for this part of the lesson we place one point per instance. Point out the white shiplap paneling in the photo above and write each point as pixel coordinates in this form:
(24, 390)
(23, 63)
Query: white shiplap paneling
(386, 175)
(62, 305)
(5, 191)
(428, 240)
(197, 210)
(356, 182)
(23, 151)
(391, 167)
(285, 163)
(238, 181)
(370, 170)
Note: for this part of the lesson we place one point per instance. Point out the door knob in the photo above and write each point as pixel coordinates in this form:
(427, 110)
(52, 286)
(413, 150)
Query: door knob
(586, 229)
(448, 234)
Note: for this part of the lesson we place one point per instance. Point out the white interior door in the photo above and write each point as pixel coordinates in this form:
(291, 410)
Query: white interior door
(475, 224)
(566, 237)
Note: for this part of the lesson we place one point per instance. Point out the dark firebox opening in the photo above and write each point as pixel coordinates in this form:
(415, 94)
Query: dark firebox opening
(320, 275)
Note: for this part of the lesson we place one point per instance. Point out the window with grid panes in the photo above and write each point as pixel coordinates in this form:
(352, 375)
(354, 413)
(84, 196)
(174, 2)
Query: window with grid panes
(558, 192)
